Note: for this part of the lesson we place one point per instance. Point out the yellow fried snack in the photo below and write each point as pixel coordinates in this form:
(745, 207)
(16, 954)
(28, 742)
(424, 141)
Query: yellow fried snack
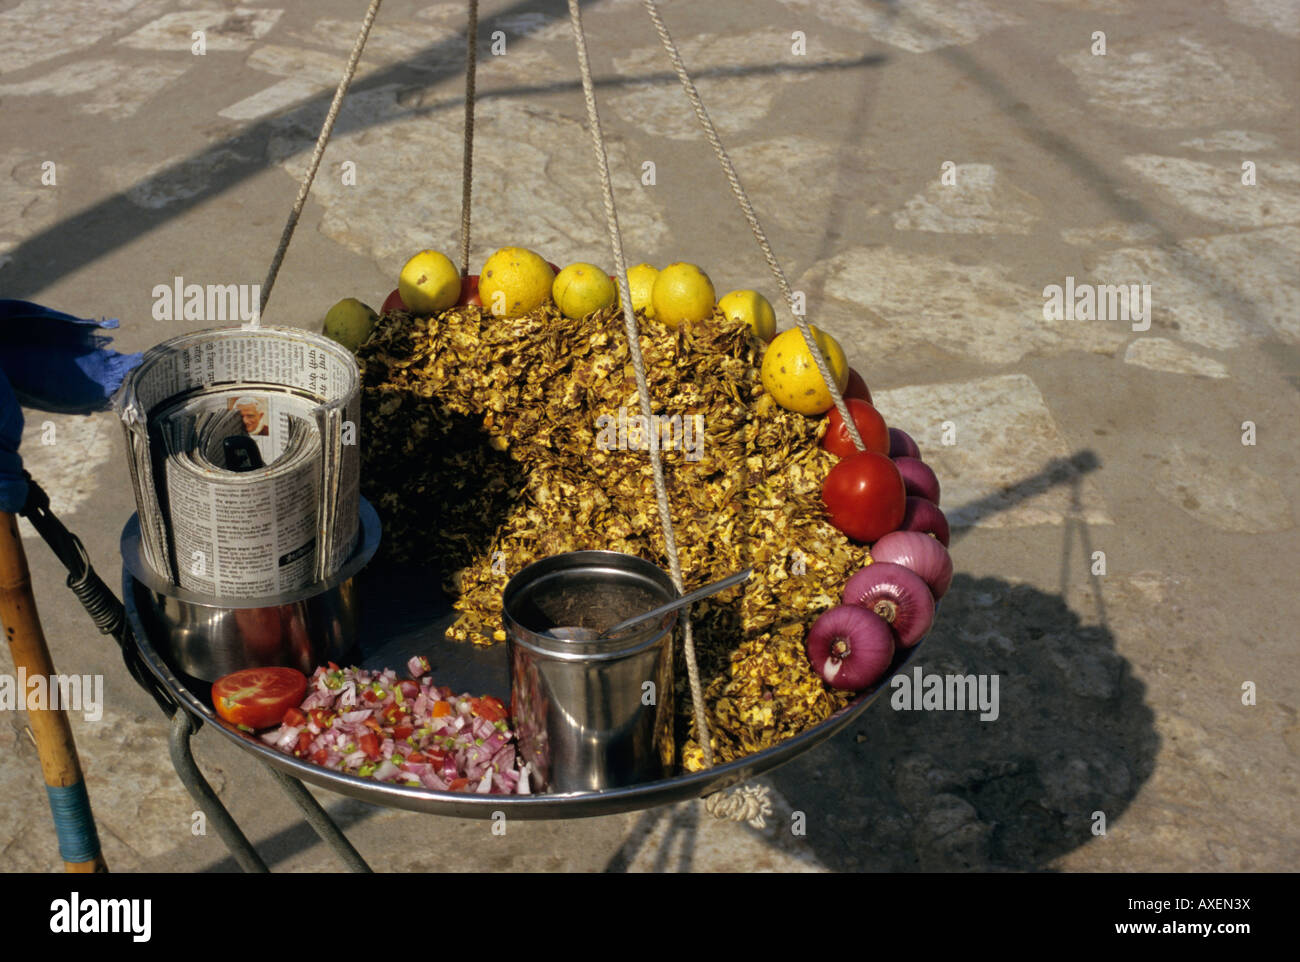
(491, 442)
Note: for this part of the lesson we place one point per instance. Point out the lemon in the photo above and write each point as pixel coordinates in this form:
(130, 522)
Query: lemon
(580, 289)
(752, 308)
(515, 281)
(429, 283)
(640, 282)
(790, 375)
(349, 322)
(682, 292)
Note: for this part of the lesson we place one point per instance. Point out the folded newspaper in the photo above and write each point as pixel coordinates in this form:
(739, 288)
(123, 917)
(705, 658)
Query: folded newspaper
(243, 452)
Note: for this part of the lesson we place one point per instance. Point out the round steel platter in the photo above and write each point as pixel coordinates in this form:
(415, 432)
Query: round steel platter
(405, 614)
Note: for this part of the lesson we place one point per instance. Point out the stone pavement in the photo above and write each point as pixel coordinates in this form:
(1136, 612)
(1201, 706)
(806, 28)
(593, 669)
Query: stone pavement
(925, 170)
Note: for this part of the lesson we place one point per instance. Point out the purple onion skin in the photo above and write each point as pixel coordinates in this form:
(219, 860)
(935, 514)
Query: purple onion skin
(920, 553)
(919, 480)
(897, 594)
(924, 516)
(901, 445)
(850, 648)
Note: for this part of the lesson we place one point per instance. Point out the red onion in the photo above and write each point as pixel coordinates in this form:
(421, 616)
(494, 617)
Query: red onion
(898, 595)
(901, 445)
(917, 552)
(918, 478)
(924, 516)
(850, 647)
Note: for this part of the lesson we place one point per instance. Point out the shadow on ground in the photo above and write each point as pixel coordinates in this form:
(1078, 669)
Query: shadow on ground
(943, 790)
(918, 790)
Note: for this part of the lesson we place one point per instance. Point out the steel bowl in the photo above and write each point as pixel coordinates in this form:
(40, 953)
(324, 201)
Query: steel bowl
(207, 637)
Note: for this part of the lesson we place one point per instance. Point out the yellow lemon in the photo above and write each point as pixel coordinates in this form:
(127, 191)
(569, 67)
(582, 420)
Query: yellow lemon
(429, 283)
(790, 375)
(682, 292)
(580, 289)
(752, 308)
(349, 322)
(641, 282)
(515, 281)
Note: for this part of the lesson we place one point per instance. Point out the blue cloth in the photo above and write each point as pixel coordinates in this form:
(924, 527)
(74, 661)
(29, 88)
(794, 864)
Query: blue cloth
(13, 486)
(57, 362)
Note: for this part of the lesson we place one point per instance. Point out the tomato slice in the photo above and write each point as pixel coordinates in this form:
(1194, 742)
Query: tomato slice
(258, 697)
(402, 732)
(490, 708)
(294, 718)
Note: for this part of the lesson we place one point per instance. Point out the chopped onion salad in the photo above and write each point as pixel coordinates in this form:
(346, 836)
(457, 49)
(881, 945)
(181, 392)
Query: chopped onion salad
(404, 731)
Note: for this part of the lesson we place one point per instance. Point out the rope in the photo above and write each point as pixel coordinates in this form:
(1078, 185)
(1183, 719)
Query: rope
(638, 365)
(747, 209)
(748, 803)
(467, 167)
(326, 129)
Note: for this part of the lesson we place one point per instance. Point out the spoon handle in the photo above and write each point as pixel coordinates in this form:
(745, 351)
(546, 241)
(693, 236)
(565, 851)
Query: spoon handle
(681, 602)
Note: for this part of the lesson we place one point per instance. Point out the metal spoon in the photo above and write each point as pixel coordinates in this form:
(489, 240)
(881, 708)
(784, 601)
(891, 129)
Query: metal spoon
(574, 633)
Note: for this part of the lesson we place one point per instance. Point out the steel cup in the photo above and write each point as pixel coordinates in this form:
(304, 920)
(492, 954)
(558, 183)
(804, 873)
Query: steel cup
(594, 714)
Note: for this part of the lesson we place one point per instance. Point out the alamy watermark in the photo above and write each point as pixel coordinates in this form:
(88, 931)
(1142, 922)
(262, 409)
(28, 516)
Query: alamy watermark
(83, 693)
(633, 432)
(179, 301)
(922, 692)
(1098, 302)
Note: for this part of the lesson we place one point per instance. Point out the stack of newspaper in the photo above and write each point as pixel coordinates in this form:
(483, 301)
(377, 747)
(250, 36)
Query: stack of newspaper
(243, 454)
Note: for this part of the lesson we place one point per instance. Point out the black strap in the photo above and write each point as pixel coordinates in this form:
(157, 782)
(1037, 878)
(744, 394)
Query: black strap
(108, 613)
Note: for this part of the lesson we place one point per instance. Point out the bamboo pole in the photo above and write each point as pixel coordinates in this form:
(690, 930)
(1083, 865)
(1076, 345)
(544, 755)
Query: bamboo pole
(69, 803)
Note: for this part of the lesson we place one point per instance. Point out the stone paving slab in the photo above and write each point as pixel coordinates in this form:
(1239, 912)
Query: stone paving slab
(926, 171)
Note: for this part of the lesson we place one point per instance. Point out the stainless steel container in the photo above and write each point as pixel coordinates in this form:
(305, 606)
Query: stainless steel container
(591, 715)
(210, 637)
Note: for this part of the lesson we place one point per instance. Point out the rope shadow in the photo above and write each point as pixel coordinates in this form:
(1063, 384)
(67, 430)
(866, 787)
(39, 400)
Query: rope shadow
(79, 240)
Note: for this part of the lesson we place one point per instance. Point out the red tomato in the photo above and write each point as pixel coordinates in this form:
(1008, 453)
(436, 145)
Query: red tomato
(856, 387)
(872, 427)
(258, 697)
(294, 718)
(393, 302)
(369, 743)
(320, 717)
(392, 714)
(490, 708)
(456, 784)
(304, 743)
(865, 496)
(320, 756)
(402, 732)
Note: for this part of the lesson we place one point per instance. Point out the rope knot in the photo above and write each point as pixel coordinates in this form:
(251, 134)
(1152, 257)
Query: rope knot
(748, 803)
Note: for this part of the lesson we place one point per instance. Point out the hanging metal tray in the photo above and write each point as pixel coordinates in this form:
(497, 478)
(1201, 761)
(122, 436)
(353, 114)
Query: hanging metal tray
(405, 614)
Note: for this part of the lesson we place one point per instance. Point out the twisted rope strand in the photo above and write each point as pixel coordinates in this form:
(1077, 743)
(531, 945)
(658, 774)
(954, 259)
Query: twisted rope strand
(326, 129)
(747, 209)
(467, 166)
(638, 365)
